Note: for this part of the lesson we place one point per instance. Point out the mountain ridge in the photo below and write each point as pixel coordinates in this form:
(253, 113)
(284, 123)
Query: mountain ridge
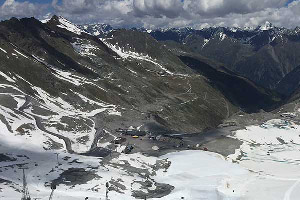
(51, 45)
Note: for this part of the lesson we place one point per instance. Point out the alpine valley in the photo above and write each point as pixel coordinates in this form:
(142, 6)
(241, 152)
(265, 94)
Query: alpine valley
(104, 113)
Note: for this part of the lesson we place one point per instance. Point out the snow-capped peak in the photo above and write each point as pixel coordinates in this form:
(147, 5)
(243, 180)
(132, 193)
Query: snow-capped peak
(44, 21)
(234, 29)
(97, 29)
(297, 29)
(248, 28)
(66, 24)
(46, 18)
(222, 36)
(266, 26)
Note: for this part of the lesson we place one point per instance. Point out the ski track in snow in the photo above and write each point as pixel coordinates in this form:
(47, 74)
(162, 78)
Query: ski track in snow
(287, 195)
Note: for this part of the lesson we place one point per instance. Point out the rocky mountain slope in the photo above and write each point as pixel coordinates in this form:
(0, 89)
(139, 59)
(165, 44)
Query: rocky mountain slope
(128, 69)
(265, 54)
(290, 82)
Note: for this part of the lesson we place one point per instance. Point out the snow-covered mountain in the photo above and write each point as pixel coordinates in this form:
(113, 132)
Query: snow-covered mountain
(267, 26)
(81, 112)
(99, 30)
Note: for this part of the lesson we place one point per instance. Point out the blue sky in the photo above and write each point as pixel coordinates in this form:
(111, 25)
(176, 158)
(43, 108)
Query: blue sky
(160, 13)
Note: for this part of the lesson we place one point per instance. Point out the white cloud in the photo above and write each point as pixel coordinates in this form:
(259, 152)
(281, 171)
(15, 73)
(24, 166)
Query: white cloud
(164, 13)
(158, 8)
(84, 11)
(224, 7)
(12, 8)
(74, 6)
(282, 17)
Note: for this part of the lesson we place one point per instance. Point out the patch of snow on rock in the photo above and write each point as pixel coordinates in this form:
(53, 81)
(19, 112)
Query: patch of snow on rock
(130, 54)
(3, 50)
(65, 24)
(7, 77)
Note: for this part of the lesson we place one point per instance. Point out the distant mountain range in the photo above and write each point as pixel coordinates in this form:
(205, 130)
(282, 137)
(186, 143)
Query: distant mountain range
(265, 54)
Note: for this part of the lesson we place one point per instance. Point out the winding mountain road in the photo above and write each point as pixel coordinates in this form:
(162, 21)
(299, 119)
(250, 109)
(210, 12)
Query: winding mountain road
(65, 139)
(40, 126)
